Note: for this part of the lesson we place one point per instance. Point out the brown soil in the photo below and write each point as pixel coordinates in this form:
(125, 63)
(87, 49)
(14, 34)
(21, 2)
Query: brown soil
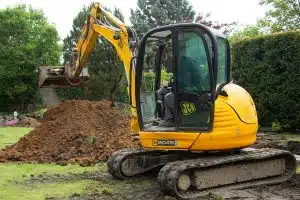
(74, 131)
(286, 190)
(277, 141)
(29, 122)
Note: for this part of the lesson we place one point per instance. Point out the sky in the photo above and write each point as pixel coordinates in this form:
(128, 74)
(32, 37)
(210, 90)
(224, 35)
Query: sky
(62, 12)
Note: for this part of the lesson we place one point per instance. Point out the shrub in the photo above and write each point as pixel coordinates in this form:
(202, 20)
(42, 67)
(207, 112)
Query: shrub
(269, 68)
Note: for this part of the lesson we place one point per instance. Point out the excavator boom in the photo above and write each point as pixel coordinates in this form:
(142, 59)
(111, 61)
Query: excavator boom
(100, 23)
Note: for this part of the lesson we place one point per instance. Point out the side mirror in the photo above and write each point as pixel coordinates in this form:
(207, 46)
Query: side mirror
(220, 91)
(223, 93)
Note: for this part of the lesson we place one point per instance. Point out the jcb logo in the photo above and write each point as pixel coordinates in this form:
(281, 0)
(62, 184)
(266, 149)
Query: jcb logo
(164, 142)
(187, 108)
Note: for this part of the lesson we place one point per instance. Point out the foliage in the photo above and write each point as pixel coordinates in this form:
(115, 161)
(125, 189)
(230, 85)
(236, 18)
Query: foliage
(276, 127)
(152, 13)
(106, 70)
(268, 67)
(283, 15)
(27, 42)
(165, 76)
(225, 28)
(149, 77)
(149, 80)
(247, 32)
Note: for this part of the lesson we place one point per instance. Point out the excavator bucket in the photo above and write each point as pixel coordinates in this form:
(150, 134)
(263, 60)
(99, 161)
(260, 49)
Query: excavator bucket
(60, 77)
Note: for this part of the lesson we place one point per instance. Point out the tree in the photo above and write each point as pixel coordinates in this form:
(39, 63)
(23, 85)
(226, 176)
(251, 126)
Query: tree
(284, 15)
(225, 28)
(27, 42)
(247, 32)
(105, 68)
(153, 13)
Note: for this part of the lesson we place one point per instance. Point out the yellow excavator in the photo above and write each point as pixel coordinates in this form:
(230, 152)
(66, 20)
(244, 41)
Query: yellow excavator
(192, 122)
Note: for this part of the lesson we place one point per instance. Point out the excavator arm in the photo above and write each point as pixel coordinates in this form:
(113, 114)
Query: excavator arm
(100, 23)
(104, 24)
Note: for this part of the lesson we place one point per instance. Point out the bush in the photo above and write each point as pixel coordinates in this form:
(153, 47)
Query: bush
(27, 42)
(269, 68)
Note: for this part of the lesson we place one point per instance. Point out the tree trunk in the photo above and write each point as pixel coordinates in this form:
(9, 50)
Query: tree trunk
(112, 92)
(49, 97)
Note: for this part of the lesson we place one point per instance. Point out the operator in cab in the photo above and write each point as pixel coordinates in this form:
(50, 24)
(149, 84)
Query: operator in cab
(189, 79)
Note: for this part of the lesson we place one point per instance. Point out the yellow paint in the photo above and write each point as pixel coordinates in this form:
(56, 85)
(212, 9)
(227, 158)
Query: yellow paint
(229, 132)
(242, 102)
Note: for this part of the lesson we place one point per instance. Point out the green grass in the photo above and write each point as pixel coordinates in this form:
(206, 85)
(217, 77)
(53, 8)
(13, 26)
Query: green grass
(292, 136)
(12, 175)
(298, 170)
(10, 135)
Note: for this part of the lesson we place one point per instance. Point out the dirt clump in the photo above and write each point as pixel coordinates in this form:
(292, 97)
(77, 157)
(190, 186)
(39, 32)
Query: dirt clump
(286, 190)
(74, 131)
(28, 122)
(294, 147)
(277, 141)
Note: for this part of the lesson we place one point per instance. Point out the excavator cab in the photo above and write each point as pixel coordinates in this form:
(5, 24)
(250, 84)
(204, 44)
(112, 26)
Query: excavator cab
(176, 77)
(184, 98)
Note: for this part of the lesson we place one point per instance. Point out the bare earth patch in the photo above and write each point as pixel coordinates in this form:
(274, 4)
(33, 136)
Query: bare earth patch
(75, 131)
(277, 141)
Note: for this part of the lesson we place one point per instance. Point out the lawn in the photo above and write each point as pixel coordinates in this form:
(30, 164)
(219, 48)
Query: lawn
(10, 135)
(13, 176)
(292, 136)
(13, 179)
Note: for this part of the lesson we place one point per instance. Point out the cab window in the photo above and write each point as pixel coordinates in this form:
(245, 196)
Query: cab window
(193, 71)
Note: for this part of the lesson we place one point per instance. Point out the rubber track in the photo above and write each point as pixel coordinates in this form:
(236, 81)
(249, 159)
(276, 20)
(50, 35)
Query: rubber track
(116, 159)
(170, 173)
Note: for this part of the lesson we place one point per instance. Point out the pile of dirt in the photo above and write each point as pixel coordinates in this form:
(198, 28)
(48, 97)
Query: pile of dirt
(74, 131)
(29, 122)
(277, 141)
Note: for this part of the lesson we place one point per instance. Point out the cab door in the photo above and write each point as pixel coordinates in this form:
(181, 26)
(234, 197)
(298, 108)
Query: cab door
(194, 97)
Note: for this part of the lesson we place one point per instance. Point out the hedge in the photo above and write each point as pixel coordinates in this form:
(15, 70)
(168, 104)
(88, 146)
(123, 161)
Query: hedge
(269, 68)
